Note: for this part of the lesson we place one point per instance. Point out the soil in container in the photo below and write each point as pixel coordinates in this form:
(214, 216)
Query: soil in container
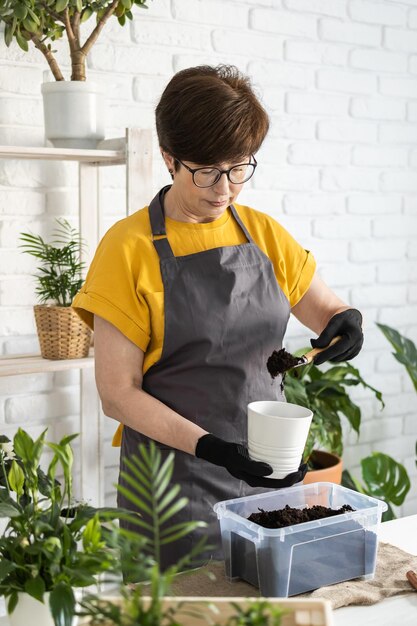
(306, 559)
(289, 516)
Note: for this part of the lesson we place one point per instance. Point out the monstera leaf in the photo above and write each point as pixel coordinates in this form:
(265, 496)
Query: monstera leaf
(384, 478)
(405, 351)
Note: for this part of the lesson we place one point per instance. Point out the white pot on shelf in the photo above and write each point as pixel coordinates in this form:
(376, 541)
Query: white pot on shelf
(73, 113)
(30, 611)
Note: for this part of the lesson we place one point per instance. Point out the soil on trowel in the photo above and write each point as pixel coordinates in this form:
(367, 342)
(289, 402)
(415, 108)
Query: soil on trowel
(280, 361)
(289, 516)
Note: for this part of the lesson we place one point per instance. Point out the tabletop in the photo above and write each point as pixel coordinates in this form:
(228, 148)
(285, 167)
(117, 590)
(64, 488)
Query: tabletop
(397, 610)
(401, 533)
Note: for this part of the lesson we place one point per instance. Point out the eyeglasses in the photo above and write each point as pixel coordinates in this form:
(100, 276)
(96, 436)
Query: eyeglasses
(209, 176)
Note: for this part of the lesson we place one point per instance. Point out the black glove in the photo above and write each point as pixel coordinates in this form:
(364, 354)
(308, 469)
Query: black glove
(348, 324)
(235, 458)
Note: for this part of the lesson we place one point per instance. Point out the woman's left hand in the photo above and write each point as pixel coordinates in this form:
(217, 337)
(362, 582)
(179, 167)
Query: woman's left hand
(348, 324)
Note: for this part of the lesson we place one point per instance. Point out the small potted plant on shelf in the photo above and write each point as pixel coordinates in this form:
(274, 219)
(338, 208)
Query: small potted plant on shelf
(326, 394)
(73, 109)
(61, 332)
(50, 545)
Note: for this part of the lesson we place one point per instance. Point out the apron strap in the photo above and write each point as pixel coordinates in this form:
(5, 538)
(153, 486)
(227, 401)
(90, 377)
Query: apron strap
(241, 224)
(157, 219)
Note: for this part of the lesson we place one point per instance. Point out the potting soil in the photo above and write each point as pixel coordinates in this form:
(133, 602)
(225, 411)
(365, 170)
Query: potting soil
(288, 516)
(280, 361)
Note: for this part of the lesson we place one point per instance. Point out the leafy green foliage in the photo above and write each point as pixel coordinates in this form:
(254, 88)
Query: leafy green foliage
(405, 351)
(384, 478)
(326, 393)
(40, 21)
(45, 547)
(60, 270)
(137, 609)
(150, 492)
(141, 604)
(259, 613)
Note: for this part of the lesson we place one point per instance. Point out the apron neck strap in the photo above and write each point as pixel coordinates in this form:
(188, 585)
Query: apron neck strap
(241, 224)
(157, 219)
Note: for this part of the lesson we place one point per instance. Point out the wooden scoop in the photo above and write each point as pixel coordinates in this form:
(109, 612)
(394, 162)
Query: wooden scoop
(309, 356)
(281, 361)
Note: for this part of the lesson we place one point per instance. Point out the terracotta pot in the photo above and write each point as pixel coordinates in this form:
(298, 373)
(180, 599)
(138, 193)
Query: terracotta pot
(331, 468)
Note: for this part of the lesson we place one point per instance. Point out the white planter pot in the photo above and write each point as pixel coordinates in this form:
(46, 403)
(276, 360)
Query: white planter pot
(29, 611)
(74, 113)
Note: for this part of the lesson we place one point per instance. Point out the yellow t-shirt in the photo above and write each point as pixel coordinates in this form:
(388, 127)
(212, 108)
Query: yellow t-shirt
(124, 284)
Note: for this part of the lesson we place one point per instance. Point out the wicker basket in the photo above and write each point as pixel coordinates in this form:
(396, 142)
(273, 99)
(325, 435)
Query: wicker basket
(62, 333)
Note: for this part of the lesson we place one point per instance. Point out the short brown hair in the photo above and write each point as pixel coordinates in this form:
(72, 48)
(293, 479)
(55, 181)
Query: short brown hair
(210, 115)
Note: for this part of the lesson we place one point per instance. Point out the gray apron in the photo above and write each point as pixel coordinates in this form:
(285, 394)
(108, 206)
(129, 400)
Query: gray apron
(224, 315)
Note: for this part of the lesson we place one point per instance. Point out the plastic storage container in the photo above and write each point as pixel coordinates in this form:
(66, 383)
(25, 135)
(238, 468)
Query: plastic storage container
(283, 562)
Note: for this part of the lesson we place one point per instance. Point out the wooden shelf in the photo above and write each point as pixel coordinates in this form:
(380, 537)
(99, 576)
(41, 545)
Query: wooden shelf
(33, 364)
(101, 156)
(134, 151)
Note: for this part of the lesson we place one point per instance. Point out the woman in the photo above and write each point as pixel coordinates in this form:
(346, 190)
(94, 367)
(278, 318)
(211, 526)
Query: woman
(189, 297)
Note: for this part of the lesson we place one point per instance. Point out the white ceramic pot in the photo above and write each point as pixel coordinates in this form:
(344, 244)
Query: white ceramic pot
(74, 113)
(277, 433)
(30, 611)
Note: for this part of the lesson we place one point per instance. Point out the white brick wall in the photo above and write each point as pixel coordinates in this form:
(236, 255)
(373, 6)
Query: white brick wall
(338, 78)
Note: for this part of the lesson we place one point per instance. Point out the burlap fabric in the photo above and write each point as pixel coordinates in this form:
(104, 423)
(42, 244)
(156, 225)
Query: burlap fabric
(390, 580)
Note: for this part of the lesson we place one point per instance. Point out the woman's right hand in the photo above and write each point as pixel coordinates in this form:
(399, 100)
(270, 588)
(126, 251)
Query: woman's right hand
(235, 458)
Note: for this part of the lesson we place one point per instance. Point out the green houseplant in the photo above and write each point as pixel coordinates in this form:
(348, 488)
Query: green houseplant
(326, 393)
(73, 110)
(42, 22)
(148, 603)
(382, 476)
(62, 334)
(50, 545)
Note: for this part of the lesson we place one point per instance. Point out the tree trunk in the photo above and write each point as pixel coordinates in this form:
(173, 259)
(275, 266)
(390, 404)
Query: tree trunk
(78, 61)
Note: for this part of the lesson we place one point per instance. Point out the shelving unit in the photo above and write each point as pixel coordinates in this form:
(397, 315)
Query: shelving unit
(135, 152)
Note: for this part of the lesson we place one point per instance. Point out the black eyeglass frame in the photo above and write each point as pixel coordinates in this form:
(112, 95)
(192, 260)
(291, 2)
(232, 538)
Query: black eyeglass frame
(221, 172)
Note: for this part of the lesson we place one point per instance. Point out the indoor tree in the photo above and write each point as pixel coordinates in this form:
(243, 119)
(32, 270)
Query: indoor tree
(41, 22)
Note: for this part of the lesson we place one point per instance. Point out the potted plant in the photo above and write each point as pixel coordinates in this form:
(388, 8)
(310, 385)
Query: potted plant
(148, 602)
(382, 476)
(61, 332)
(73, 109)
(50, 545)
(326, 393)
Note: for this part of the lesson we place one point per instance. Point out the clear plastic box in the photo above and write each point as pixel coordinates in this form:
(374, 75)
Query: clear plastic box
(286, 561)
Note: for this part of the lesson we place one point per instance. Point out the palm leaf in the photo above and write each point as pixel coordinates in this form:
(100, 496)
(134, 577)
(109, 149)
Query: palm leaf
(147, 487)
(138, 485)
(187, 527)
(59, 277)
